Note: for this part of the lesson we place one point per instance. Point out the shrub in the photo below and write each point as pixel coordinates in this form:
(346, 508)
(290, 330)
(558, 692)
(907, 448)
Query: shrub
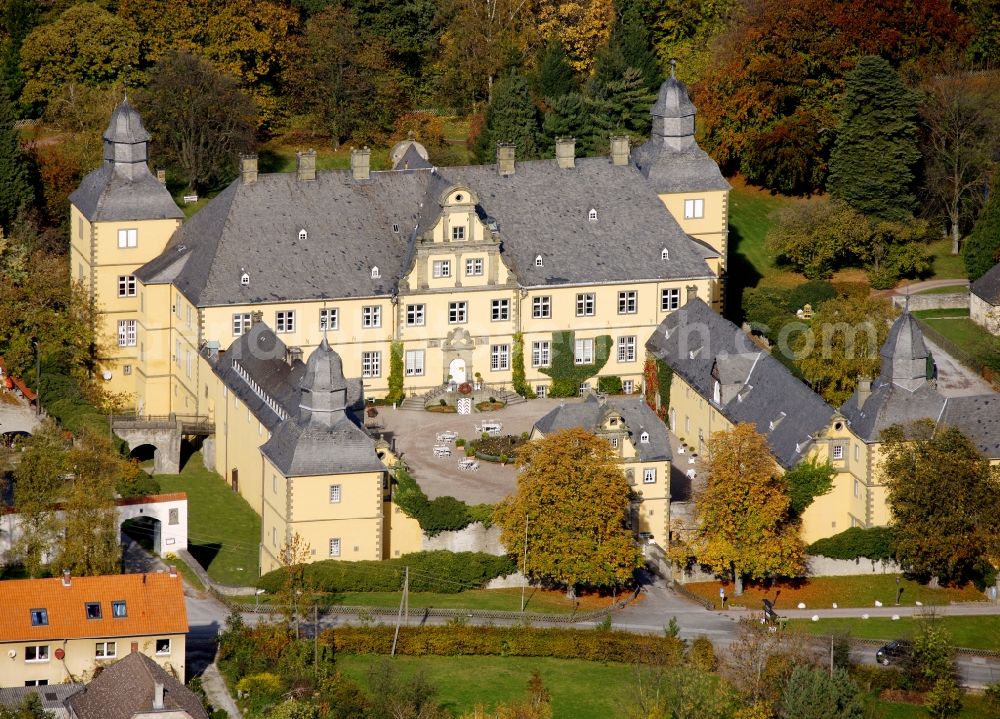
(263, 685)
(874, 543)
(434, 516)
(459, 442)
(437, 571)
(876, 679)
(610, 384)
(702, 654)
(494, 449)
(814, 292)
(442, 402)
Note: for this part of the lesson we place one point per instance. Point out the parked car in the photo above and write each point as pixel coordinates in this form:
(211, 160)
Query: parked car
(646, 538)
(894, 652)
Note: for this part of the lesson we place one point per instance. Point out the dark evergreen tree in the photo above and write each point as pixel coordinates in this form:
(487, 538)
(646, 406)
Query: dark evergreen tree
(813, 693)
(510, 117)
(15, 191)
(629, 46)
(569, 117)
(18, 18)
(619, 107)
(555, 76)
(875, 152)
(982, 246)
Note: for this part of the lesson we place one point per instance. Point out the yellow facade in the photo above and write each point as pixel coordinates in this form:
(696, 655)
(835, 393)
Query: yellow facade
(704, 215)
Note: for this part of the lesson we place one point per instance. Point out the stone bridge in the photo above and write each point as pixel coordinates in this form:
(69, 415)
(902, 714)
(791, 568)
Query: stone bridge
(164, 433)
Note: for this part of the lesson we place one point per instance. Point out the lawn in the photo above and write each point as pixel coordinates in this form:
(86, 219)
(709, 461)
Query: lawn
(579, 689)
(976, 632)
(944, 312)
(974, 707)
(822, 592)
(947, 290)
(964, 332)
(946, 265)
(508, 600)
(223, 531)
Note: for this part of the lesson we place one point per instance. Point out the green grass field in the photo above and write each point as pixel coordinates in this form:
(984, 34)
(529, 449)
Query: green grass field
(223, 531)
(976, 632)
(750, 219)
(947, 290)
(945, 312)
(963, 332)
(579, 689)
(946, 265)
(974, 707)
(507, 600)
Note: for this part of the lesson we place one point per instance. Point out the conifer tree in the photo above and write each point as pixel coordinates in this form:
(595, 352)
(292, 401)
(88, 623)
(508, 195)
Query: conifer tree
(982, 246)
(620, 106)
(510, 117)
(555, 76)
(629, 46)
(15, 192)
(875, 152)
(569, 117)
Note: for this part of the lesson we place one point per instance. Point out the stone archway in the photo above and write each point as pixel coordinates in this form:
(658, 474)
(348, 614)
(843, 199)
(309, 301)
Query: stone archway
(456, 370)
(457, 350)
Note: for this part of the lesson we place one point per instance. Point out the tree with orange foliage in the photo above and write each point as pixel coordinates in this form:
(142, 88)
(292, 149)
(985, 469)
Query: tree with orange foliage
(572, 503)
(744, 528)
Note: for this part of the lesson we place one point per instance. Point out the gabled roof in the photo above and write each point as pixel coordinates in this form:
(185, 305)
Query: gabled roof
(889, 405)
(988, 286)
(154, 605)
(694, 340)
(127, 688)
(53, 697)
(107, 196)
(979, 419)
(669, 170)
(590, 414)
(540, 209)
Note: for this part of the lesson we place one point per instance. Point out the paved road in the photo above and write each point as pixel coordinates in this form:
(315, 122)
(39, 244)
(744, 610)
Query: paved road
(954, 378)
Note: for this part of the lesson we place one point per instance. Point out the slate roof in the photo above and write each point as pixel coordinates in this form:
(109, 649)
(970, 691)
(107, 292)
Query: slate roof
(541, 209)
(889, 405)
(106, 196)
(669, 170)
(988, 286)
(154, 605)
(905, 340)
(979, 419)
(590, 413)
(695, 340)
(672, 100)
(53, 697)
(126, 125)
(127, 687)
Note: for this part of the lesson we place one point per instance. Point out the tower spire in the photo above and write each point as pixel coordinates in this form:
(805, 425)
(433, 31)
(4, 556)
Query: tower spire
(673, 68)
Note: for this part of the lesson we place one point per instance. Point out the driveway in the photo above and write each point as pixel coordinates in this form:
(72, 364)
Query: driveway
(17, 416)
(954, 378)
(415, 433)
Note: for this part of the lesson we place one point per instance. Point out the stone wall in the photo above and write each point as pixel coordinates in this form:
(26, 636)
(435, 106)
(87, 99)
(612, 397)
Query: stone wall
(984, 314)
(958, 300)
(474, 538)
(817, 567)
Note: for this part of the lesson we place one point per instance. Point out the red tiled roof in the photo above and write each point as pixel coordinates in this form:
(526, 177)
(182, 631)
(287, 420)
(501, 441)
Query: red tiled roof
(154, 604)
(17, 382)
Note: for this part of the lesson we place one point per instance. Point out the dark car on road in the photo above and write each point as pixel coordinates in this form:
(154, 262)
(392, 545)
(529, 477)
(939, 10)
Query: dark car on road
(894, 652)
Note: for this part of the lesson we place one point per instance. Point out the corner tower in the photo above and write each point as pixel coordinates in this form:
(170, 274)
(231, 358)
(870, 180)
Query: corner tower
(121, 216)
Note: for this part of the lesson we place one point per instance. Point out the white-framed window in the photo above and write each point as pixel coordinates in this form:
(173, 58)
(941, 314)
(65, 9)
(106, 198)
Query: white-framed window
(128, 238)
(458, 313)
(371, 364)
(541, 391)
(614, 442)
(664, 254)
(644, 438)
(245, 279)
(376, 273)
(162, 647)
(335, 547)
(626, 349)
(586, 304)
(584, 386)
(474, 267)
(499, 357)
(838, 451)
(177, 352)
(584, 353)
(36, 653)
(119, 610)
(649, 475)
(189, 362)
(458, 233)
(126, 333)
(36, 682)
(442, 268)
(857, 488)
(628, 303)
(670, 299)
(395, 227)
(126, 369)
(694, 209)
(329, 318)
(334, 494)
(371, 316)
(303, 235)
(541, 307)
(241, 323)
(126, 285)
(592, 215)
(541, 353)
(284, 321)
(628, 386)
(188, 315)
(105, 650)
(415, 315)
(857, 453)
(414, 363)
(39, 617)
(500, 310)
(538, 260)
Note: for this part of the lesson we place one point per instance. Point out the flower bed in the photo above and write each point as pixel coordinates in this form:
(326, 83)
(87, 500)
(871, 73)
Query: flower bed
(490, 406)
(498, 449)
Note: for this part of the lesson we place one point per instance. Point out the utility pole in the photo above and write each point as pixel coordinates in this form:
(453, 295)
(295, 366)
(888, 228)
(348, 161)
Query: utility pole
(316, 639)
(403, 602)
(524, 563)
(38, 378)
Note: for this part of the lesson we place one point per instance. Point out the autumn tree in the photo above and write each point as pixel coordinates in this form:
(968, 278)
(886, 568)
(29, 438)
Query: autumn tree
(944, 497)
(841, 344)
(982, 246)
(583, 27)
(744, 528)
(199, 118)
(873, 161)
(38, 483)
(510, 118)
(814, 693)
(297, 593)
(573, 500)
(959, 118)
(684, 30)
(814, 238)
(680, 692)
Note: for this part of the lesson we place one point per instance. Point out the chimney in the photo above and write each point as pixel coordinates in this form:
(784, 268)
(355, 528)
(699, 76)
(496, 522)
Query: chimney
(134, 648)
(161, 176)
(505, 158)
(361, 163)
(248, 169)
(305, 165)
(619, 149)
(158, 696)
(692, 293)
(172, 571)
(67, 580)
(566, 152)
(864, 391)
(256, 317)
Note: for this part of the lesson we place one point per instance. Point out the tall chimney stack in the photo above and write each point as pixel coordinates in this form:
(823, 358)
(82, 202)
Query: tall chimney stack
(566, 152)
(305, 164)
(248, 169)
(864, 391)
(619, 150)
(158, 696)
(361, 163)
(505, 158)
(67, 580)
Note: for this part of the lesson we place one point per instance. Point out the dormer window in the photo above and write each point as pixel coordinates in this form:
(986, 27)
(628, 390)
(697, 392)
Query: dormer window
(538, 260)
(395, 228)
(644, 438)
(664, 254)
(459, 197)
(776, 421)
(375, 273)
(303, 235)
(592, 215)
(39, 617)
(458, 233)
(245, 279)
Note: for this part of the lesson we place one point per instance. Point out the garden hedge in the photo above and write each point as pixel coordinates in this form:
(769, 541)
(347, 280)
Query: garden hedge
(874, 543)
(441, 514)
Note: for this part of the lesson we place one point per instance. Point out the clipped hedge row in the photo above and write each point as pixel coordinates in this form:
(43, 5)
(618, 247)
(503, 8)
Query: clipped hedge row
(595, 646)
(437, 571)
(874, 543)
(441, 514)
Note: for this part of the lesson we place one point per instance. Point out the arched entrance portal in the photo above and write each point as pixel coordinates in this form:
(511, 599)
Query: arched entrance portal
(143, 453)
(146, 532)
(457, 370)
